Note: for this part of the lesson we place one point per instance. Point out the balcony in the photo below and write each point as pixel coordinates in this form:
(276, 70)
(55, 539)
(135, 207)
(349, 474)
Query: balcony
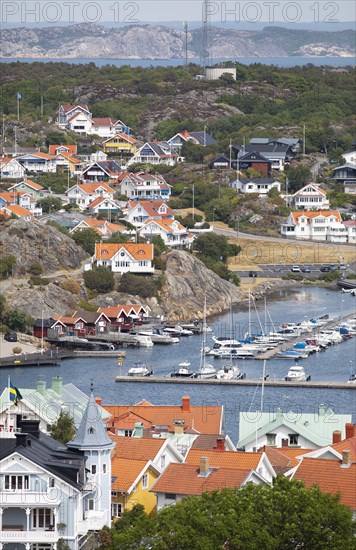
(11, 534)
(30, 498)
(94, 521)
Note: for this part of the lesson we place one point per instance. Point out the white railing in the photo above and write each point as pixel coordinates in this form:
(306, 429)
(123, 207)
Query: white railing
(24, 497)
(29, 536)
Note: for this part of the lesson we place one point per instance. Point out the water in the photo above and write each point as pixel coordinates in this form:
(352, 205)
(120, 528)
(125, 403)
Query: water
(288, 305)
(279, 61)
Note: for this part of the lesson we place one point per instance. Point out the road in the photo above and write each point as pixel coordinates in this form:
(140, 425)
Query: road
(320, 159)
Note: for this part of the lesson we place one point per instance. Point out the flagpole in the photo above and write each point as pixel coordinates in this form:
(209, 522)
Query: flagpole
(18, 107)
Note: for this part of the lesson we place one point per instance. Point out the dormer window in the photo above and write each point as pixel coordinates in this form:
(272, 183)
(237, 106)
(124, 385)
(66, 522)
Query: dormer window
(91, 431)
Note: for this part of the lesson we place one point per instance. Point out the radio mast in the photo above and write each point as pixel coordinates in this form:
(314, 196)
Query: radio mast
(204, 54)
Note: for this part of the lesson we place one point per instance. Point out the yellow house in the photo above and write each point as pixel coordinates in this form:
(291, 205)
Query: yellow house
(122, 144)
(131, 482)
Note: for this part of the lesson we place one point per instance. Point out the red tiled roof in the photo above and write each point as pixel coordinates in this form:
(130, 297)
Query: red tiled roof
(311, 215)
(330, 477)
(184, 479)
(17, 210)
(106, 251)
(91, 188)
(136, 448)
(347, 445)
(235, 460)
(68, 108)
(125, 471)
(71, 149)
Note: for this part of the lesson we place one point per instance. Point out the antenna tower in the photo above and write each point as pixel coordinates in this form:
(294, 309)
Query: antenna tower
(204, 54)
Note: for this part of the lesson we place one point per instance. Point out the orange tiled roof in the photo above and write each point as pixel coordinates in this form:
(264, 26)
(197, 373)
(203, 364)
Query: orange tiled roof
(106, 251)
(66, 320)
(90, 188)
(235, 460)
(151, 208)
(18, 211)
(99, 225)
(10, 196)
(5, 160)
(45, 156)
(347, 445)
(30, 183)
(71, 149)
(136, 448)
(311, 215)
(330, 477)
(125, 470)
(205, 419)
(184, 479)
(128, 138)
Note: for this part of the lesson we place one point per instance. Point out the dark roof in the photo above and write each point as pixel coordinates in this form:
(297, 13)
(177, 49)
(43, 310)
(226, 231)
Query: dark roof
(257, 180)
(46, 323)
(221, 158)
(253, 157)
(87, 316)
(48, 454)
(203, 138)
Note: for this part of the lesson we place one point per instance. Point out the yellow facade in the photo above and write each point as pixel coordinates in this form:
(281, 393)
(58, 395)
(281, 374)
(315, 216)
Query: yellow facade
(140, 494)
(119, 145)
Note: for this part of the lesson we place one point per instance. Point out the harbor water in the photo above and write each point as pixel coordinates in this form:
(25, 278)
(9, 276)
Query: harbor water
(298, 304)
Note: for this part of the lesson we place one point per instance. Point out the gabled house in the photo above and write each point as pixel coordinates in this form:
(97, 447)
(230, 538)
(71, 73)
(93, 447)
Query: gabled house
(256, 161)
(221, 162)
(38, 162)
(104, 205)
(325, 225)
(101, 171)
(28, 186)
(85, 193)
(70, 150)
(66, 112)
(171, 231)
(106, 127)
(287, 429)
(163, 419)
(277, 155)
(18, 212)
(182, 480)
(143, 185)
(309, 197)
(25, 200)
(138, 212)
(80, 123)
(261, 186)
(155, 152)
(293, 143)
(350, 226)
(125, 258)
(124, 317)
(68, 163)
(80, 324)
(198, 138)
(103, 227)
(11, 168)
(121, 144)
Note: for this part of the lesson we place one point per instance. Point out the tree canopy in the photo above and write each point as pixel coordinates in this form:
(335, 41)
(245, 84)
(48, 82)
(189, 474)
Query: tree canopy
(64, 429)
(86, 238)
(286, 516)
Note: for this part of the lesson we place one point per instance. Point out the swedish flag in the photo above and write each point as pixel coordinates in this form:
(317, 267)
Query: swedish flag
(15, 394)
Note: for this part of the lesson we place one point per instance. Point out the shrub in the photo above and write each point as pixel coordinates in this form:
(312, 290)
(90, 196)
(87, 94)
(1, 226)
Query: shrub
(87, 306)
(39, 281)
(36, 268)
(100, 279)
(144, 286)
(16, 350)
(71, 285)
(86, 238)
(19, 320)
(7, 263)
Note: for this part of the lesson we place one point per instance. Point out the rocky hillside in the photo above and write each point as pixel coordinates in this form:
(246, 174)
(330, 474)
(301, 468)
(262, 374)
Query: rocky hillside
(32, 242)
(159, 42)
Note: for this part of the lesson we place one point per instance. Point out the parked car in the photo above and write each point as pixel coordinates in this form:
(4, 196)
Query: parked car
(325, 268)
(252, 274)
(295, 269)
(342, 267)
(10, 336)
(306, 269)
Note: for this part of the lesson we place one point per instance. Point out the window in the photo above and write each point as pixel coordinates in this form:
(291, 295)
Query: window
(42, 518)
(271, 439)
(116, 509)
(91, 430)
(128, 433)
(91, 504)
(16, 483)
(144, 481)
(170, 496)
(104, 468)
(293, 439)
(163, 461)
(93, 469)
(52, 482)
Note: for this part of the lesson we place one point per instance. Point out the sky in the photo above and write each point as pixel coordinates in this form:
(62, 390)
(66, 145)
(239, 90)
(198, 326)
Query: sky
(57, 12)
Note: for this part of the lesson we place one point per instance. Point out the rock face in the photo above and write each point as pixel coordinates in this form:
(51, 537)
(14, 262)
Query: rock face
(46, 300)
(32, 242)
(188, 283)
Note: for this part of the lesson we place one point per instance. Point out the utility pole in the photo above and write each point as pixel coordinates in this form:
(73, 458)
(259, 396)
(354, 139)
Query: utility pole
(303, 139)
(185, 27)
(193, 209)
(204, 53)
(41, 105)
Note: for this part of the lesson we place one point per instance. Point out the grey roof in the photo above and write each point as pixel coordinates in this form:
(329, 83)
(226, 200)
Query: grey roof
(257, 180)
(346, 165)
(203, 138)
(91, 433)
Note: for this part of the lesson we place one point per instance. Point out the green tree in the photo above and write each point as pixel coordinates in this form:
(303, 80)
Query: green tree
(298, 176)
(212, 245)
(63, 430)
(118, 237)
(86, 238)
(2, 306)
(158, 245)
(100, 279)
(49, 204)
(7, 263)
(19, 320)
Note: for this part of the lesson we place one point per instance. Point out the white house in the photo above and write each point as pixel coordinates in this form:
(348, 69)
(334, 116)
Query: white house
(294, 429)
(351, 230)
(51, 491)
(101, 170)
(309, 197)
(155, 152)
(138, 212)
(38, 162)
(198, 138)
(324, 225)
(25, 200)
(103, 227)
(106, 127)
(171, 231)
(144, 186)
(350, 157)
(18, 212)
(125, 258)
(66, 112)
(104, 205)
(80, 123)
(11, 168)
(256, 185)
(85, 193)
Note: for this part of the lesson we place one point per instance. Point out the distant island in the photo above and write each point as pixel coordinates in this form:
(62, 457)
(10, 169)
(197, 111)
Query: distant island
(94, 41)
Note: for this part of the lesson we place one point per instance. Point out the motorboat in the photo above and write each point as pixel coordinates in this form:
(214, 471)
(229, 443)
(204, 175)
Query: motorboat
(292, 354)
(144, 340)
(297, 374)
(183, 371)
(230, 372)
(352, 378)
(303, 347)
(140, 369)
(233, 353)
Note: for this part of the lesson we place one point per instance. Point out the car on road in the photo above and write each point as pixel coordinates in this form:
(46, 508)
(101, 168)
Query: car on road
(325, 269)
(252, 274)
(295, 269)
(10, 336)
(306, 269)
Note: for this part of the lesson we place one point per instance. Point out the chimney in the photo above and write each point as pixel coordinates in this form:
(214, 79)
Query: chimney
(321, 410)
(345, 459)
(98, 401)
(138, 430)
(186, 403)
(178, 427)
(350, 430)
(30, 427)
(220, 444)
(336, 436)
(41, 386)
(57, 384)
(204, 466)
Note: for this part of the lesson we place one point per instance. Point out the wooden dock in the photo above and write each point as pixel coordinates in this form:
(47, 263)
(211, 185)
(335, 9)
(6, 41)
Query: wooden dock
(244, 382)
(50, 357)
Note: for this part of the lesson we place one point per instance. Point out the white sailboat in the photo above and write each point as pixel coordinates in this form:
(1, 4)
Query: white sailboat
(206, 370)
